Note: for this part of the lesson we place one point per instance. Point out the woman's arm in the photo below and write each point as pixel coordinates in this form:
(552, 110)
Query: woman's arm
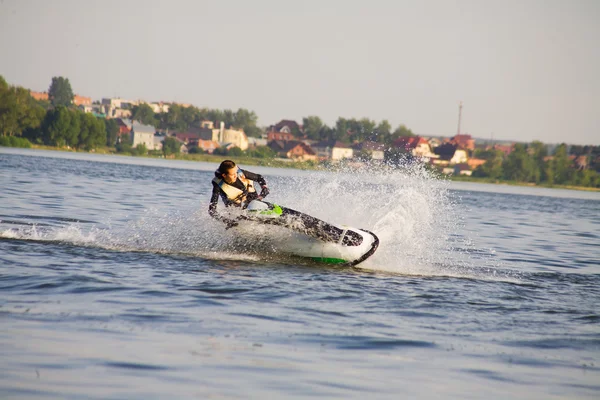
(212, 208)
(261, 181)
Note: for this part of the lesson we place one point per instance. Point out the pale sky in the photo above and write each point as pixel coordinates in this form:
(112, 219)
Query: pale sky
(525, 70)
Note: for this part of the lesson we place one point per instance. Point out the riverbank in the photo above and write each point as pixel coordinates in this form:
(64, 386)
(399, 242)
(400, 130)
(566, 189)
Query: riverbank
(304, 165)
(203, 157)
(515, 183)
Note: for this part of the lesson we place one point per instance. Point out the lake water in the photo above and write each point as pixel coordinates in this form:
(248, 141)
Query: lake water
(115, 283)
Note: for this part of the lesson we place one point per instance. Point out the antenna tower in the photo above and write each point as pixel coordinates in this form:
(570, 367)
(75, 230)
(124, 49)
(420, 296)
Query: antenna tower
(459, 117)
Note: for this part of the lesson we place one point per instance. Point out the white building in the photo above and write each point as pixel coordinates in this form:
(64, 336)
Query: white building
(234, 137)
(159, 107)
(117, 102)
(142, 134)
(459, 157)
(332, 150)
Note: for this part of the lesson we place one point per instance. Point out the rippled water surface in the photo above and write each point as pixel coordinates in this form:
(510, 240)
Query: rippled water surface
(115, 283)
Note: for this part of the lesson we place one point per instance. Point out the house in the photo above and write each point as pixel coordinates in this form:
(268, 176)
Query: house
(193, 134)
(82, 101)
(235, 137)
(159, 107)
(207, 125)
(187, 137)
(332, 150)
(85, 108)
(293, 149)
(465, 142)
(475, 162)
(40, 96)
(208, 146)
(120, 113)
(463, 169)
(255, 142)
(124, 128)
(142, 134)
(273, 135)
(579, 162)
(434, 142)
(375, 149)
(95, 109)
(119, 103)
(450, 154)
(285, 126)
(158, 141)
(506, 149)
(417, 146)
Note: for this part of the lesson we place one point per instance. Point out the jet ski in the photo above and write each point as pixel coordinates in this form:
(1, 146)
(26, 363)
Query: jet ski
(313, 238)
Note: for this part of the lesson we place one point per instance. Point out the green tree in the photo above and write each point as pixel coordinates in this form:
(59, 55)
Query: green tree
(560, 164)
(312, 127)
(60, 92)
(144, 114)
(196, 150)
(174, 118)
(492, 167)
(30, 113)
(247, 121)
(538, 151)
(190, 116)
(228, 118)
(221, 151)
(19, 112)
(8, 108)
(254, 131)
(261, 152)
(342, 129)
(401, 130)
(92, 132)
(485, 154)
(72, 133)
(171, 146)
(361, 129)
(235, 152)
(55, 125)
(124, 143)
(382, 132)
(519, 166)
(243, 118)
(139, 150)
(112, 131)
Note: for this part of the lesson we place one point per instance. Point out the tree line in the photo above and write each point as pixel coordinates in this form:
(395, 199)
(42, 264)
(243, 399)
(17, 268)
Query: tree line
(352, 130)
(532, 163)
(181, 119)
(54, 122)
(57, 122)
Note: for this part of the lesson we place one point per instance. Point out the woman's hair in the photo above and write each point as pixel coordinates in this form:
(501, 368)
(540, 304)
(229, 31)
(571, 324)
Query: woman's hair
(224, 167)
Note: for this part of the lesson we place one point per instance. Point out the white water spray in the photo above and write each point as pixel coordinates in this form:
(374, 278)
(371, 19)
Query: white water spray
(411, 210)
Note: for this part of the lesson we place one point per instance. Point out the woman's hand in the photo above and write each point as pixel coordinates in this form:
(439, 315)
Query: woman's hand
(264, 192)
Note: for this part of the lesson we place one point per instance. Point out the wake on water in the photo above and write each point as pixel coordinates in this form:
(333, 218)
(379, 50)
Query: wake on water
(408, 207)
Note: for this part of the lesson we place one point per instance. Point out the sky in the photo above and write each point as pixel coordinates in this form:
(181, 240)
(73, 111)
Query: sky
(524, 69)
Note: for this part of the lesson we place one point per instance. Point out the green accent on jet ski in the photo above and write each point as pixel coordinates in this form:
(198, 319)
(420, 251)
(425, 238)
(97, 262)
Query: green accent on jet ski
(276, 210)
(329, 260)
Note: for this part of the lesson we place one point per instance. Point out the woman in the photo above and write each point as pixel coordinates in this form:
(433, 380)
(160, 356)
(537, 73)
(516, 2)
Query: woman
(236, 188)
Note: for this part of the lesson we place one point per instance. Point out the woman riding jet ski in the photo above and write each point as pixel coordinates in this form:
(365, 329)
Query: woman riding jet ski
(236, 189)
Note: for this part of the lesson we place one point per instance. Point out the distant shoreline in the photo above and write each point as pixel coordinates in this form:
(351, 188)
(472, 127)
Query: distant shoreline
(278, 163)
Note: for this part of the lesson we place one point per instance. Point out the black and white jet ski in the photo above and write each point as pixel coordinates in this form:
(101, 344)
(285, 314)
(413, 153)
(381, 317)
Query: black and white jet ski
(314, 238)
